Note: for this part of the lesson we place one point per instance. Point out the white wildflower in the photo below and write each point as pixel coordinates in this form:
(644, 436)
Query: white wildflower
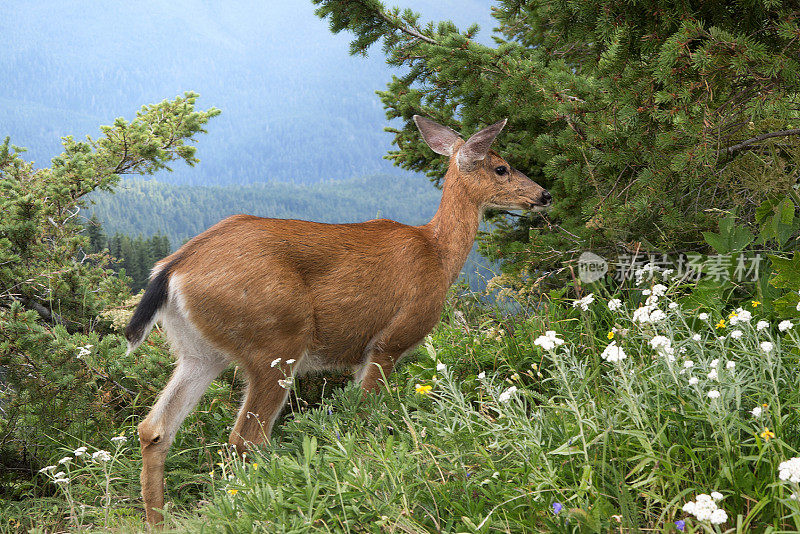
(736, 334)
(441, 368)
(642, 314)
(704, 508)
(506, 395)
(717, 496)
(660, 342)
(80, 451)
(798, 306)
(646, 291)
(761, 325)
(672, 305)
(614, 304)
(613, 353)
(101, 456)
(712, 375)
(703, 316)
(290, 361)
(714, 362)
(652, 300)
(119, 440)
(663, 346)
(783, 326)
(648, 269)
(696, 337)
(693, 381)
(84, 351)
(756, 411)
(659, 290)
(481, 375)
(713, 394)
(657, 315)
(275, 362)
(65, 460)
(549, 340)
(766, 346)
(286, 383)
(666, 274)
(790, 470)
(584, 302)
(742, 316)
(47, 469)
(63, 481)
(688, 364)
(730, 365)
(718, 516)
(60, 474)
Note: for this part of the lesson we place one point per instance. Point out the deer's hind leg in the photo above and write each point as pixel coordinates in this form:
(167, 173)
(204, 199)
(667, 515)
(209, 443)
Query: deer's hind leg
(198, 363)
(268, 384)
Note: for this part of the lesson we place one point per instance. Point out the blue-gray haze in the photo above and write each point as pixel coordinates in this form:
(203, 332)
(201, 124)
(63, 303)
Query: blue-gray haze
(296, 107)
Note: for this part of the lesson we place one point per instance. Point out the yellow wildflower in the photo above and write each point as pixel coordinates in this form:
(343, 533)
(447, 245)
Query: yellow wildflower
(423, 390)
(255, 466)
(767, 434)
(732, 315)
(233, 491)
(721, 323)
(610, 334)
(755, 303)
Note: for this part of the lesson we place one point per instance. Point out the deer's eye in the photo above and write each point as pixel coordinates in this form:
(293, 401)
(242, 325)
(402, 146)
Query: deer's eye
(501, 170)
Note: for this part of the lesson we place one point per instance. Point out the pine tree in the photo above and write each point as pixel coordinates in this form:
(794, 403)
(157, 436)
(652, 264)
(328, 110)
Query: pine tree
(97, 238)
(646, 120)
(52, 294)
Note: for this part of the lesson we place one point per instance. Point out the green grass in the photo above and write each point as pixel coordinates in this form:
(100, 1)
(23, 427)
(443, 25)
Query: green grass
(507, 431)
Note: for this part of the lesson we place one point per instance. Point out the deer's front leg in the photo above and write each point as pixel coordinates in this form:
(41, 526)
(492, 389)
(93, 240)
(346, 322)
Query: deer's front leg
(378, 367)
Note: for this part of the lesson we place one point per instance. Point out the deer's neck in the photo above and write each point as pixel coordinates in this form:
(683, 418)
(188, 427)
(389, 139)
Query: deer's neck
(454, 227)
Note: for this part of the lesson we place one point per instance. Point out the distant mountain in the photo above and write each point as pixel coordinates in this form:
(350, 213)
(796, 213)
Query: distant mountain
(296, 107)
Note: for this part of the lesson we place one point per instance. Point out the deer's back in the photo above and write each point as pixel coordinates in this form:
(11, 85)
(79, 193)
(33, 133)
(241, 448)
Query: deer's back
(338, 286)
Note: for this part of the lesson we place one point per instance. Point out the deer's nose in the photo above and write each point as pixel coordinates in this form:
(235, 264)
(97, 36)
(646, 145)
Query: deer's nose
(546, 197)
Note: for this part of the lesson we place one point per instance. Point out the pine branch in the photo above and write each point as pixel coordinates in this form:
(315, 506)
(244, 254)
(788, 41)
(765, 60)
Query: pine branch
(748, 142)
(405, 29)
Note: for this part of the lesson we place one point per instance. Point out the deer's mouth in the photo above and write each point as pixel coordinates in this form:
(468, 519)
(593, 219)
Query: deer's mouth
(538, 206)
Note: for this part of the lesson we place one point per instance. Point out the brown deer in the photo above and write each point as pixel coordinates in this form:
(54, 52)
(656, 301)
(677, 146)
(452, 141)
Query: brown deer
(280, 297)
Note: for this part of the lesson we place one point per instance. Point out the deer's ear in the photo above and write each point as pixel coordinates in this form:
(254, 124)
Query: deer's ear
(440, 138)
(477, 146)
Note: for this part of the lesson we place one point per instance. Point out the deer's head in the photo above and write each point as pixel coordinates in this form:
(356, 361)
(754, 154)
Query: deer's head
(486, 177)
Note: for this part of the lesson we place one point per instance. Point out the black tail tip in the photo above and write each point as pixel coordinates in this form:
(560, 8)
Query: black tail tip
(155, 296)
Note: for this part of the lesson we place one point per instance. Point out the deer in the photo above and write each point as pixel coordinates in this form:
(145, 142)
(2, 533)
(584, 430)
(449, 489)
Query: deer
(282, 297)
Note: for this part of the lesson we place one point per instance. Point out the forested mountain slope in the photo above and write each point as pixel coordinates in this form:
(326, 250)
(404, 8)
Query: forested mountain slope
(148, 207)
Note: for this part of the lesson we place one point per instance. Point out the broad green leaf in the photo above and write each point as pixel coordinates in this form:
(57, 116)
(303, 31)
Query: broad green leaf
(787, 271)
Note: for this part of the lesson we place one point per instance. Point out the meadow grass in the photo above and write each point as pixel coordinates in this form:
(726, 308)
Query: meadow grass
(615, 413)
